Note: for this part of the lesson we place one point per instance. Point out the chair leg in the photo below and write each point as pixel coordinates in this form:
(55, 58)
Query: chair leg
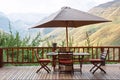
(48, 68)
(93, 66)
(39, 69)
(101, 69)
(98, 67)
(59, 68)
(43, 65)
(72, 72)
(95, 70)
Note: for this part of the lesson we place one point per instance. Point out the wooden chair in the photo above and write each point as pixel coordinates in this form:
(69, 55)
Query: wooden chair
(98, 62)
(43, 62)
(65, 60)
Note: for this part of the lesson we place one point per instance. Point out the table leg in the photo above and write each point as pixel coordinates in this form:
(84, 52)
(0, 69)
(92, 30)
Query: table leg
(54, 62)
(81, 61)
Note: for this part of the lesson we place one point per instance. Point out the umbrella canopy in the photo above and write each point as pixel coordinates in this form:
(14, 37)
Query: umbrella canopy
(68, 17)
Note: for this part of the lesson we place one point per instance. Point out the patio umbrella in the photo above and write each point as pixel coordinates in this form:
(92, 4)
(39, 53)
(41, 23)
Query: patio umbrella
(68, 17)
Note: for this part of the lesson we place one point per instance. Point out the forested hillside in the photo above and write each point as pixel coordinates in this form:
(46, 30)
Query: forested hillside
(98, 34)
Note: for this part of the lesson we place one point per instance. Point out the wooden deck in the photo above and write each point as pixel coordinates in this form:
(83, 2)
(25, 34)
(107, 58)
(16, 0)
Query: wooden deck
(29, 73)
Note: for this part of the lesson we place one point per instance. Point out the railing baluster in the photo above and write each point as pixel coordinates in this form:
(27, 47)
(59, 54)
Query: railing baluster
(92, 53)
(22, 55)
(113, 53)
(119, 54)
(73, 49)
(96, 53)
(83, 49)
(42, 52)
(32, 55)
(1, 57)
(17, 54)
(7, 55)
(12, 54)
(27, 54)
(108, 54)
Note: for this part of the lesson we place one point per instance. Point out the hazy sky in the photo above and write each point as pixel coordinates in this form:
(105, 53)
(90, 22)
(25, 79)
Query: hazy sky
(45, 6)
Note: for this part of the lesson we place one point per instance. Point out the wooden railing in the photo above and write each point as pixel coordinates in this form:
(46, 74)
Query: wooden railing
(22, 55)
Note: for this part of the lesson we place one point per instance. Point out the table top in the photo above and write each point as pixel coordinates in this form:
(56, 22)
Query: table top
(76, 54)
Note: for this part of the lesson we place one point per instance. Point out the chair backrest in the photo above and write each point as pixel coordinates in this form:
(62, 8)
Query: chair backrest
(37, 56)
(65, 55)
(62, 50)
(104, 55)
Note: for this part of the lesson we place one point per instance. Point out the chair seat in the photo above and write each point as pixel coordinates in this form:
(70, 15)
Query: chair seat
(44, 60)
(96, 60)
(65, 61)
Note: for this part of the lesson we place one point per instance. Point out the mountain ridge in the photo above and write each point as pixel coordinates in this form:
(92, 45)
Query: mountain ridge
(99, 34)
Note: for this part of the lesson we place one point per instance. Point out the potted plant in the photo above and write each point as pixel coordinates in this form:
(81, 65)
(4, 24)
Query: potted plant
(54, 45)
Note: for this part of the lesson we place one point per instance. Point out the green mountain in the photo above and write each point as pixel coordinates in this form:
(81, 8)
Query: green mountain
(108, 34)
(100, 34)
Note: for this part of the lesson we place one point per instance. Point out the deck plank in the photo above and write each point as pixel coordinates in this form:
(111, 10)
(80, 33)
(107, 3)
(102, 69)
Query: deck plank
(29, 73)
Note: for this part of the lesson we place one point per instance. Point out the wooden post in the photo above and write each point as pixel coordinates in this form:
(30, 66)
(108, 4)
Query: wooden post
(1, 57)
(102, 50)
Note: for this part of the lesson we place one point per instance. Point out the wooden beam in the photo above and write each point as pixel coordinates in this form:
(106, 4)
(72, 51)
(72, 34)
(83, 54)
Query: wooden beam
(1, 57)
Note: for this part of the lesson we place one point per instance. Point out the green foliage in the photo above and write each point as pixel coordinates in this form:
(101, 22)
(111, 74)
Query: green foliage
(25, 41)
(48, 43)
(87, 43)
(3, 38)
(62, 44)
(15, 40)
(36, 41)
(71, 40)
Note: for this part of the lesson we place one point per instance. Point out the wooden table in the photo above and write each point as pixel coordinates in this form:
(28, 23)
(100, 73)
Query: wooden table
(80, 57)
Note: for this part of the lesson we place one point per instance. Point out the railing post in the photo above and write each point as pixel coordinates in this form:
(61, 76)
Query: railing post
(1, 57)
(102, 50)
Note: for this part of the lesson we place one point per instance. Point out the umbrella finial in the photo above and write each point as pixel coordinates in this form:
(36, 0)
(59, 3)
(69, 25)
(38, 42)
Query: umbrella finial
(65, 7)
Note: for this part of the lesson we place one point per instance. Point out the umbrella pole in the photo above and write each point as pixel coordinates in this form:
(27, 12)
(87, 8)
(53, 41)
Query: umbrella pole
(67, 35)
